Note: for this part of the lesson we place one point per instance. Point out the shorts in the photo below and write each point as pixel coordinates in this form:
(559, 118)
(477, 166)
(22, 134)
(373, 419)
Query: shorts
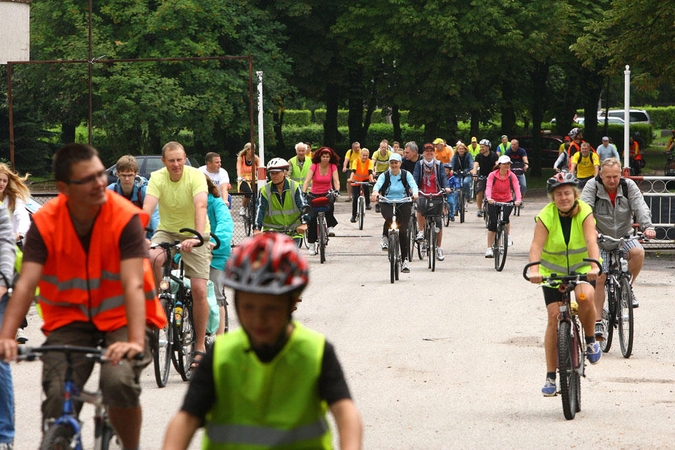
(216, 276)
(197, 262)
(480, 185)
(604, 254)
(119, 384)
(553, 295)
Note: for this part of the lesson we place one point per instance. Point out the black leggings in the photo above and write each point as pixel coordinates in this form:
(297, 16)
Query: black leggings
(355, 197)
(311, 226)
(402, 219)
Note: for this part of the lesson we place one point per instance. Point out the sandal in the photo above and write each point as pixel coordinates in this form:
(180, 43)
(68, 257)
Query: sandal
(195, 362)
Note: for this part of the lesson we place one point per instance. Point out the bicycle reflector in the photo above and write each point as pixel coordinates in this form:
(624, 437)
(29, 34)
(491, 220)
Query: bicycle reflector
(317, 202)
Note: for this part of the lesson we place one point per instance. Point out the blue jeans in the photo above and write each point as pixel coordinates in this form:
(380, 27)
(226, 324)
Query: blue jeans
(6, 392)
(523, 184)
(452, 201)
(466, 185)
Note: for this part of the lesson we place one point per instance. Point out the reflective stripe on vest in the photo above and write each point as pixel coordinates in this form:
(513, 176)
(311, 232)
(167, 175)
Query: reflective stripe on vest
(279, 217)
(269, 437)
(558, 257)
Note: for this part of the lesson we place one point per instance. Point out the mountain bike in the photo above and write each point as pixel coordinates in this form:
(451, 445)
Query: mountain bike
(571, 341)
(433, 212)
(176, 341)
(500, 246)
(66, 431)
(361, 201)
(321, 205)
(394, 250)
(617, 310)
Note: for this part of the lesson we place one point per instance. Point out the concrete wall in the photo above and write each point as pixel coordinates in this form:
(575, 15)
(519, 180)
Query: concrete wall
(14, 31)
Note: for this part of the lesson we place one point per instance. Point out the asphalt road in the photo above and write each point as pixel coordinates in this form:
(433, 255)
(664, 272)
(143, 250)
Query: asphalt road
(451, 359)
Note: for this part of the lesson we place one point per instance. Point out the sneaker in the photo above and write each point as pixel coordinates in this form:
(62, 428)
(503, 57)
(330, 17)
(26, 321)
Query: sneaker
(348, 199)
(21, 337)
(510, 242)
(593, 352)
(331, 232)
(353, 219)
(368, 208)
(404, 266)
(312, 249)
(452, 218)
(384, 243)
(549, 389)
(636, 304)
(489, 253)
(377, 208)
(242, 211)
(457, 213)
(600, 332)
(479, 213)
(7, 446)
(420, 236)
(439, 254)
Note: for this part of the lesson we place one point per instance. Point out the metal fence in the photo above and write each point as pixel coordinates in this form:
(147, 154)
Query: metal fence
(659, 193)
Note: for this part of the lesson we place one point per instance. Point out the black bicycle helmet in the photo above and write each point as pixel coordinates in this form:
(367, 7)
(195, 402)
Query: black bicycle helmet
(559, 179)
(269, 263)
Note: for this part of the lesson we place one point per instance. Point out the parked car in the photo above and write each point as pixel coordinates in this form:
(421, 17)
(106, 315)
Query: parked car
(635, 115)
(601, 120)
(549, 147)
(146, 165)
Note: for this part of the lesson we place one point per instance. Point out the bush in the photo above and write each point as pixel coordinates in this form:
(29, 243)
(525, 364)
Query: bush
(299, 118)
(663, 117)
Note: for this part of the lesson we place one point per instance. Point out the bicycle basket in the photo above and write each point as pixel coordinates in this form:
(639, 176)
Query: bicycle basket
(431, 206)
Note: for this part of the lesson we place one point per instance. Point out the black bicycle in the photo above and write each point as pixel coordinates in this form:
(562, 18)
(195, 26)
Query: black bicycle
(412, 231)
(393, 238)
(462, 195)
(320, 206)
(433, 211)
(571, 341)
(500, 245)
(617, 311)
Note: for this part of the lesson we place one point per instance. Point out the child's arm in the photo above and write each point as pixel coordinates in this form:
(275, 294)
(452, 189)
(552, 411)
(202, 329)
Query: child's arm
(348, 420)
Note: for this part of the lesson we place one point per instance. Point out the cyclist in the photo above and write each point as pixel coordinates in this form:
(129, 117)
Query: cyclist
(462, 164)
(281, 205)
(7, 260)
(396, 184)
(381, 158)
(483, 165)
(269, 383)
(86, 250)
(410, 156)
(430, 178)
(299, 164)
(454, 183)
(564, 235)
(500, 186)
(585, 164)
(575, 146)
(503, 145)
(615, 201)
(361, 171)
(132, 186)
(474, 147)
(217, 174)
(323, 177)
(247, 164)
(520, 165)
(180, 191)
(352, 155)
(442, 151)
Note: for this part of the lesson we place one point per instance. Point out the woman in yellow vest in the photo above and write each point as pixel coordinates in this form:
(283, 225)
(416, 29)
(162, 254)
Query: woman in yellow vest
(269, 383)
(361, 171)
(564, 235)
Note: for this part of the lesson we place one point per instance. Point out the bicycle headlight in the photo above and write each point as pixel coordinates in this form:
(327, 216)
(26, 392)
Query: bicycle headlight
(394, 225)
(164, 285)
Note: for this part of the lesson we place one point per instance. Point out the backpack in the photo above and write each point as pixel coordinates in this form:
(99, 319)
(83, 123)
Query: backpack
(622, 182)
(387, 182)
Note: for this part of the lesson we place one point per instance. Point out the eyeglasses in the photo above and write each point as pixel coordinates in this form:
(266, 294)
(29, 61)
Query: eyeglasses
(90, 179)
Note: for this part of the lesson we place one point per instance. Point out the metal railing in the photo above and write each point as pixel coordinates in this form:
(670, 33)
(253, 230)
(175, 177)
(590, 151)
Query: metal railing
(659, 194)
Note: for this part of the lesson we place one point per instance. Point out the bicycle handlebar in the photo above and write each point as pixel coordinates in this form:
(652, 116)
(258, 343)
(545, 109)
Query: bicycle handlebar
(94, 353)
(554, 277)
(504, 203)
(176, 244)
(437, 194)
(393, 201)
(621, 240)
(217, 246)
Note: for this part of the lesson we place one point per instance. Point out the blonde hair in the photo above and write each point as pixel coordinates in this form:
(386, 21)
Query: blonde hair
(15, 187)
(246, 148)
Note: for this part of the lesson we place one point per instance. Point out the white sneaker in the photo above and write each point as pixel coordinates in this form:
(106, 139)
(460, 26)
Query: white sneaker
(404, 266)
(439, 254)
(510, 242)
(385, 243)
(420, 236)
(242, 211)
(488, 253)
(21, 337)
(331, 232)
(312, 249)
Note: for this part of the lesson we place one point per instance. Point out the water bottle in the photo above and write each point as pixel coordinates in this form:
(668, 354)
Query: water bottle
(178, 314)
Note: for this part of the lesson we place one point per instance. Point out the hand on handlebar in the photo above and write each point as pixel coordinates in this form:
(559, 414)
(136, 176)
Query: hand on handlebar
(188, 244)
(301, 228)
(650, 233)
(490, 201)
(518, 203)
(592, 274)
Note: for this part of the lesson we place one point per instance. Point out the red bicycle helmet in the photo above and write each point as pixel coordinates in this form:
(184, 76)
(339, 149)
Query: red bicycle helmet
(269, 263)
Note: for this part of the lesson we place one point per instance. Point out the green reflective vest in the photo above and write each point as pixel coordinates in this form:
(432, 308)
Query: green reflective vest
(268, 405)
(296, 173)
(558, 257)
(280, 217)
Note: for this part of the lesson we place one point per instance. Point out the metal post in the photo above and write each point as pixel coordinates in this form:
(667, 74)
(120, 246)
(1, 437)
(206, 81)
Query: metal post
(626, 125)
(261, 132)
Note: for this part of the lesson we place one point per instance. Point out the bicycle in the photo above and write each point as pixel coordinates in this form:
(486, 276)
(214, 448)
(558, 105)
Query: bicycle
(361, 202)
(486, 218)
(394, 251)
(462, 198)
(617, 310)
(500, 245)
(571, 342)
(176, 341)
(321, 205)
(429, 245)
(65, 432)
(412, 231)
(447, 214)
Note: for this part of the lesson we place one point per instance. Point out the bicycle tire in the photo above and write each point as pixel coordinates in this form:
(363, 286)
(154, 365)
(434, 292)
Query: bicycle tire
(58, 437)
(397, 255)
(446, 212)
(485, 214)
(250, 216)
(107, 435)
(625, 317)
(361, 211)
(391, 256)
(462, 205)
(186, 342)
(305, 241)
(322, 238)
(431, 248)
(412, 233)
(608, 316)
(501, 247)
(566, 369)
(162, 350)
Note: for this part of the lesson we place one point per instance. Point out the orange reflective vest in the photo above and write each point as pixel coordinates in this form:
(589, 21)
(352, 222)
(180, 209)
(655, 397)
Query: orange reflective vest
(86, 287)
(361, 170)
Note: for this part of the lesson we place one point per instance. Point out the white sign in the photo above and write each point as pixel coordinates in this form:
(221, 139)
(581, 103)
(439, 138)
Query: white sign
(14, 31)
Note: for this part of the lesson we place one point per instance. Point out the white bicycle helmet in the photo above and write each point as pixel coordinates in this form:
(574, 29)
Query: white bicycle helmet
(277, 164)
(485, 142)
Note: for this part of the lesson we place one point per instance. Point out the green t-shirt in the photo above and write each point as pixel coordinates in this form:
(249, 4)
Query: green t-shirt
(176, 199)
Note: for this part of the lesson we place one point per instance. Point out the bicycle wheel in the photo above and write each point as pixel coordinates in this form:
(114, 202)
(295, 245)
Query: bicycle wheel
(397, 255)
(361, 211)
(625, 318)
(391, 253)
(446, 212)
(107, 435)
(432, 244)
(485, 214)
(501, 246)
(162, 349)
(608, 315)
(462, 205)
(305, 241)
(568, 376)
(516, 210)
(323, 232)
(186, 342)
(58, 437)
(412, 232)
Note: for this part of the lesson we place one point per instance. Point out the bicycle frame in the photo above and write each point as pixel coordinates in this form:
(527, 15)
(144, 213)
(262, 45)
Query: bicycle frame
(394, 252)
(430, 231)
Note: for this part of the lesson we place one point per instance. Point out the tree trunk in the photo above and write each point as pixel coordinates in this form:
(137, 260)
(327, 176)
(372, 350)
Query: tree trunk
(508, 112)
(396, 122)
(355, 105)
(68, 132)
(538, 77)
(330, 126)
